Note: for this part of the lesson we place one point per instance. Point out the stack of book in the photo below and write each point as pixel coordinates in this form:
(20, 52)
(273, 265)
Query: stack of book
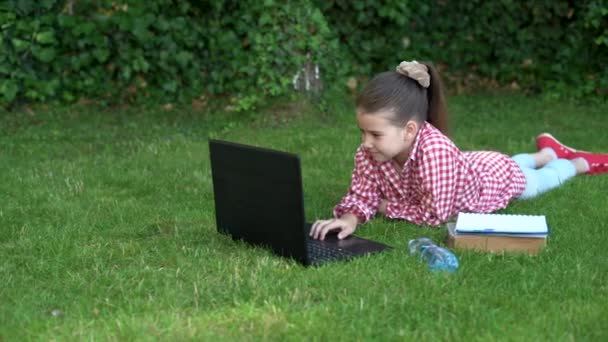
(498, 232)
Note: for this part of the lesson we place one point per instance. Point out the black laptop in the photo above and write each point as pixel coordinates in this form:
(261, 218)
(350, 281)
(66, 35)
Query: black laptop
(259, 199)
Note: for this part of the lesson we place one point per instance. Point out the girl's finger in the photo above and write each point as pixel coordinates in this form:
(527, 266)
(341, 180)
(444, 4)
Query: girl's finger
(320, 227)
(330, 227)
(315, 227)
(314, 232)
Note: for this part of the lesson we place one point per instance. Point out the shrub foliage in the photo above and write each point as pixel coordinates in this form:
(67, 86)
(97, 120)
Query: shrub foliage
(169, 50)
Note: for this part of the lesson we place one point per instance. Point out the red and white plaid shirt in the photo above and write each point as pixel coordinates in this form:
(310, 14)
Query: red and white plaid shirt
(437, 182)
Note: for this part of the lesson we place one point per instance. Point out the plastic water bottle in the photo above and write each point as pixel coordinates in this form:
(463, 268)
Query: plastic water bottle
(437, 258)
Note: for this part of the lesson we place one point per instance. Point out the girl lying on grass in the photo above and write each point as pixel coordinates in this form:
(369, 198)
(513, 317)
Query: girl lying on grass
(407, 168)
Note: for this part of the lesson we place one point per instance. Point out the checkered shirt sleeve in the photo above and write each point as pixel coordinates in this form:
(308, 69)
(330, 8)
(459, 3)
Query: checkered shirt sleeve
(363, 197)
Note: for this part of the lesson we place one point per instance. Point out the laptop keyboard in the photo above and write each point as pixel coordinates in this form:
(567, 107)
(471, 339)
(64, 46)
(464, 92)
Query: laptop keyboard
(319, 252)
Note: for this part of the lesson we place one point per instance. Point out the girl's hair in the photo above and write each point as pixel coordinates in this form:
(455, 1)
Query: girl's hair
(406, 99)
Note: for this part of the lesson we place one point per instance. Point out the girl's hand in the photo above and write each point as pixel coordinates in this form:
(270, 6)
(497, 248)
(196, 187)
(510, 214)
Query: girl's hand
(382, 207)
(345, 224)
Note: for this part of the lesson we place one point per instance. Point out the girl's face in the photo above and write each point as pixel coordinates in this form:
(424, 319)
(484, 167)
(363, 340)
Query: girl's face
(383, 139)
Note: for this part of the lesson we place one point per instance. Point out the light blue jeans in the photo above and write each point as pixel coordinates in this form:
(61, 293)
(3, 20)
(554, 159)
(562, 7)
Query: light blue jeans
(550, 176)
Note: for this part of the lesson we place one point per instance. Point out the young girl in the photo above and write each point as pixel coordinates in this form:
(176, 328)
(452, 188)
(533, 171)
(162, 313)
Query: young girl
(407, 168)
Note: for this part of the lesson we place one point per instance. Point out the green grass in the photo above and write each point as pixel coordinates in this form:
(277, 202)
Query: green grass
(108, 232)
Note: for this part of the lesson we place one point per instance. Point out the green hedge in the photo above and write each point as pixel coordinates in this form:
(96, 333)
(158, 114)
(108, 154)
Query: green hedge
(544, 45)
(166, 51)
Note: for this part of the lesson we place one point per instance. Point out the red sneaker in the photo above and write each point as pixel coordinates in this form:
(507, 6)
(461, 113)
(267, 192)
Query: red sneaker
(547, 140)
(598, 163)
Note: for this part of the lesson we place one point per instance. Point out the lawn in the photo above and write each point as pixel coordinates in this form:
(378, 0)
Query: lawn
(107, 231)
